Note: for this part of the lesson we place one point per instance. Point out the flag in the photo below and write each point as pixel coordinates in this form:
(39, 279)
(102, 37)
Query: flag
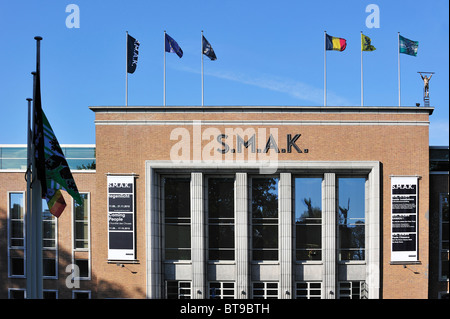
(207, 49)
(172, 46)
(132, 53)
(408, 46)
(52, 169)
(333, 43)
(365, 43)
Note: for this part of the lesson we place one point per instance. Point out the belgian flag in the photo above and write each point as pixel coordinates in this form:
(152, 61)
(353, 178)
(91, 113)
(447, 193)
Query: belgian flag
(334, 43)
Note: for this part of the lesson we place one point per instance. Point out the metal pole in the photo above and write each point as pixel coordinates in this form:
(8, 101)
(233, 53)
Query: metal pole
(325, 70)
(36, 214)
(164, 68)
(202, 71)
(126, 69)
(28, 231)
(398, 49)
(362, 85)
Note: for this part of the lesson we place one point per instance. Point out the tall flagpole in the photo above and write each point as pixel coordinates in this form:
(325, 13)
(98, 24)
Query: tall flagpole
(398, 52)
(202, 70)
(126, 69)
(362, 79)
(36, 212)
(28, 231)
(325, 70)
(164, 67)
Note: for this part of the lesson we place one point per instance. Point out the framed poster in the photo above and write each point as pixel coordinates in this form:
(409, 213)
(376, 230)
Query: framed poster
(404, 196)
(121, 228)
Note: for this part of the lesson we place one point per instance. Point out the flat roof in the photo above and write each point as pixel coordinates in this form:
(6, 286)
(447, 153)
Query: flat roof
(265, 108)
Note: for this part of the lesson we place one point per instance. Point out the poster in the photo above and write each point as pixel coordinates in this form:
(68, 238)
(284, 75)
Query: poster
(404, 195)
(121, 232)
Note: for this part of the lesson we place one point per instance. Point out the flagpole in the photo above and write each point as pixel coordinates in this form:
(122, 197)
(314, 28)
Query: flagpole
(362, 80)
(36, 212)
(202, 70)
(28, 231)
(164, 67)
(325, 70)
(126, 69)
(398, 52)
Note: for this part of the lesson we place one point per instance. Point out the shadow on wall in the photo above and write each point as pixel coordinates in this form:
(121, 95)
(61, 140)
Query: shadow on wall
(107, 288)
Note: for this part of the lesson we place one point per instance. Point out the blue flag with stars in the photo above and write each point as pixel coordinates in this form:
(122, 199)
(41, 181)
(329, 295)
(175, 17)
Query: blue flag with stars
(172, 46)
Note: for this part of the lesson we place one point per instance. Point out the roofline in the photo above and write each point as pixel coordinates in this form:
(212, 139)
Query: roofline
(263, 109)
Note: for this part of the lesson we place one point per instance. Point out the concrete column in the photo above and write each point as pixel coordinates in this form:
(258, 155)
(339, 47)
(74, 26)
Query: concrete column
(285, 236)
(198, 256)
(329, 240)
(242, 236)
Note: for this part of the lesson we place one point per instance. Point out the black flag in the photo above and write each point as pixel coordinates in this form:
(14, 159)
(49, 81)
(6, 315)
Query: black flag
(208, 50)
(132, 54)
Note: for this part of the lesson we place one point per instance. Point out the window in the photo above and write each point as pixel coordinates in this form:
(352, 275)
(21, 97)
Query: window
(351, 218)
(48, 227)
(50, 294)
(308, 218)
(177, 218)
(49, 243)
(221, 218)
(178, 289)
(221, 290)
(16, 220)
(264, 200)
(83, 268)
(16, 293)
(265, 290)
(81, 294)
(308, 290)
(16, 234)
(352, 290)
(81, 223)
(443, 207)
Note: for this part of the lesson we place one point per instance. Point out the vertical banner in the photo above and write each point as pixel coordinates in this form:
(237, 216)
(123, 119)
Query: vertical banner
(121, 228)
(404, 196)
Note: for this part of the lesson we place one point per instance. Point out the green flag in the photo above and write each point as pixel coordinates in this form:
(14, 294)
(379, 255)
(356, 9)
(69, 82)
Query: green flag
(408, 46)
(365, 43)
(57, 172)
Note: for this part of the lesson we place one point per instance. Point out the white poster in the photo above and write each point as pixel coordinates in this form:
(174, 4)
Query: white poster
(404, 199)
(121, 233)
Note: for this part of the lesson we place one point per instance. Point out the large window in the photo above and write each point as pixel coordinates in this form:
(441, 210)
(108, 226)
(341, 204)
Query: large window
(177, 218)
(265, 290)
(16, 234)
(351, 218)
(81, 223)
(308, 218)
(221, 218)
(178, 289)
(264, 199)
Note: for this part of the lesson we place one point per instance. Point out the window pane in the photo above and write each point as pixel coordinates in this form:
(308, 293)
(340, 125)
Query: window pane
(221, 218)
(351, 218)
(221, 198)
(177, 213)
(16, 206)
(221, 236)
(177, 201)
(264, 199)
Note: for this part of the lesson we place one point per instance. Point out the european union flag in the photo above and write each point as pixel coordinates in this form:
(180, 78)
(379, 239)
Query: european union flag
(172, 46)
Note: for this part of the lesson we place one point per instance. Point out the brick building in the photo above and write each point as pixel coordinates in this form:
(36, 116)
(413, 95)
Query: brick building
(244, 202)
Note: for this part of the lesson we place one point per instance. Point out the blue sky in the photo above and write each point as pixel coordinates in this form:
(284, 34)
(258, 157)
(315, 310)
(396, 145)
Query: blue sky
(269, 53)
